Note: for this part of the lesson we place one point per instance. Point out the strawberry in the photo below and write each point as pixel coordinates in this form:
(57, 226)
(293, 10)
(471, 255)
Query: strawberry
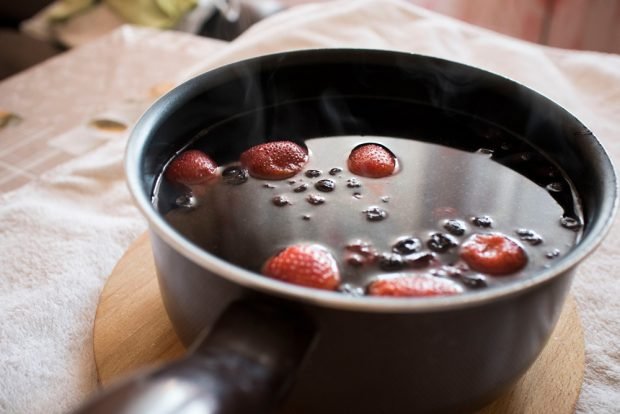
(309, 265)
(191, 167)
(493, 253)
(275, 160)
(414, 285)
(371, 160)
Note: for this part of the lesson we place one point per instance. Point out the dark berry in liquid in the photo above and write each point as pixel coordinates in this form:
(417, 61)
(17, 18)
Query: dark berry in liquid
(325, 186)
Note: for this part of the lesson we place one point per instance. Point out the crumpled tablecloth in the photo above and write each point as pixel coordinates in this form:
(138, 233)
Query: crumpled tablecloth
(61, 235)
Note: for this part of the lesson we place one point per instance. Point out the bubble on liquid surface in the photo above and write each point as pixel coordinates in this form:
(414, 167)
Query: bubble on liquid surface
(447, 272)
(351, 290)
(552, 254)
(570, 223)
(375, 213)
(554, 187)
(315, 200)
(529, 236)
(235, 175)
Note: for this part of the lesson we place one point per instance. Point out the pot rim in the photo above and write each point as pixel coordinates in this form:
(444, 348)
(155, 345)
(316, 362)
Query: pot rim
(335, 300)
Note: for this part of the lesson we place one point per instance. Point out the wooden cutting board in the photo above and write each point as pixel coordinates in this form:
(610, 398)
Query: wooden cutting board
(133, 331)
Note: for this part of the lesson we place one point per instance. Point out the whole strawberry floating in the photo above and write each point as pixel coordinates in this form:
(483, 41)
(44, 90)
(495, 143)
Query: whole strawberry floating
(493, 253)
(414, 286)
(372, 160)
(308, 265)
(275, 160)
(191, 167)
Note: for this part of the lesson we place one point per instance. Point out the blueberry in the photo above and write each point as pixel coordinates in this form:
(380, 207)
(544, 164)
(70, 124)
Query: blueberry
(335, 171)
(455, 227)
(355, 260)
(440, 242)
(313, 173)
(419, 260)
(186, 200)
(325, 186)
(482, 221)
(353, 183)
(407, 245)
(301, 188)
(391, 262)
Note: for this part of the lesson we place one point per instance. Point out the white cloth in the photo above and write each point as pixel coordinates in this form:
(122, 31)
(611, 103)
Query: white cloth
(61, 235)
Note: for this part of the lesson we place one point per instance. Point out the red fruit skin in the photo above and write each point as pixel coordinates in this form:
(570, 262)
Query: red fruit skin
(307, 265)
(371, 160)
(414, 286)
(493, 253)
(191, 167)
(274, 160)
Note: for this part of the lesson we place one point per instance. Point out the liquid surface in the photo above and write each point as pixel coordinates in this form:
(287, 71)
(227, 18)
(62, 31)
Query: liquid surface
(436, 190)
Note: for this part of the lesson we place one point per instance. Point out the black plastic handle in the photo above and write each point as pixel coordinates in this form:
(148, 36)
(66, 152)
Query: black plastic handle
(245, 364)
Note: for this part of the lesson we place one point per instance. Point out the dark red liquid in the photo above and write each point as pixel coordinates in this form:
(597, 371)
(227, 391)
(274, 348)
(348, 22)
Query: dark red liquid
(438, 197)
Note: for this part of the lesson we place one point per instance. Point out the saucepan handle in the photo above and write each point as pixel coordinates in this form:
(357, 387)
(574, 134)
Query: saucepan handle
(245, 364)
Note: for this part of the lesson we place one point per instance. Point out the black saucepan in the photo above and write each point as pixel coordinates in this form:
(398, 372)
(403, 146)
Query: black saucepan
(260, 345)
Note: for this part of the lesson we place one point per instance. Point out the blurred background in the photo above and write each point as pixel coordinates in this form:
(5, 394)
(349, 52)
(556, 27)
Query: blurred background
(34, 30)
